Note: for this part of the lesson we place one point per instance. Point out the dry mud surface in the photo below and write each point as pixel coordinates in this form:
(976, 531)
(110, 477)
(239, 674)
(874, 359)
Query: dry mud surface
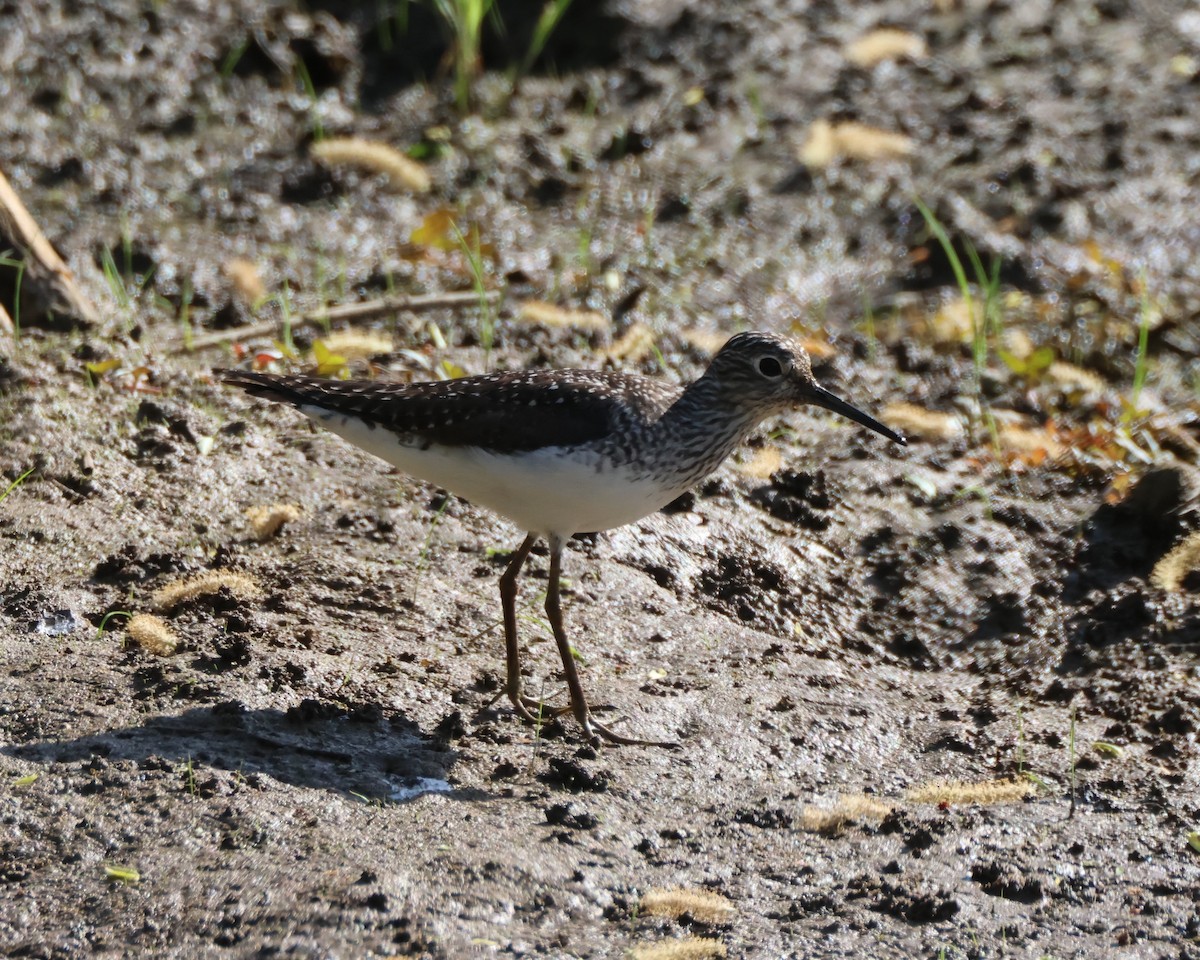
(323, 769)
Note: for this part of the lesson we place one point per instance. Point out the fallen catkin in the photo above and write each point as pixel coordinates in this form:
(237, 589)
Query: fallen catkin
(703, 906)
(152, 634)
(240, 584)
(549, 315)
(854, 807)
(401, 170)
(267, 519)
(244, 277)
(921, 423)
(1173, 568)
(689, 948)
(957, 792)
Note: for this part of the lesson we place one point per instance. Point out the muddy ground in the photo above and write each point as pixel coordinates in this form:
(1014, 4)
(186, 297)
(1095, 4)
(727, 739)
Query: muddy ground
(323, 769)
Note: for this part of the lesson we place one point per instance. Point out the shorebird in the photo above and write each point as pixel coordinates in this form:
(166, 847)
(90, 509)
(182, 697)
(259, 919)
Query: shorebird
(560, 452)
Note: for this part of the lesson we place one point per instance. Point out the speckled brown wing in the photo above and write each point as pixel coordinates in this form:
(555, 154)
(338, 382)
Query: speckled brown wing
(505, 412)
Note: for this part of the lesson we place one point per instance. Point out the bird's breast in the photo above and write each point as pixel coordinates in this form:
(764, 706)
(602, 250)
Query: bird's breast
(551, 490)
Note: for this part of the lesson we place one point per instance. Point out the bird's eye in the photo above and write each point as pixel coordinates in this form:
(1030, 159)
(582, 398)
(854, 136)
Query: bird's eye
(770, 367)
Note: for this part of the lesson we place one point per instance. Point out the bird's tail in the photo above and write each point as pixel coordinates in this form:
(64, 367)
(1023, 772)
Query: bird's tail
(269, 386)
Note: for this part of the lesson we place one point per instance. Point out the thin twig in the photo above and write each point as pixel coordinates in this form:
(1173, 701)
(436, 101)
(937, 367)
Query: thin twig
(1071, 750)
(347, 311)
(45, 267)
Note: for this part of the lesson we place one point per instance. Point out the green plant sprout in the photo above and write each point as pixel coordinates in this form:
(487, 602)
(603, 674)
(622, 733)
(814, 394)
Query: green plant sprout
(487, 321)
(284, 299)
(16, 483)
(1140, 365)
(229, 64)
(465, 19)
(869, 329)
(104, 620)
(393, 23)
(185, 313)
(122, 874)
(1020, 742)
(116, 285)
(314, 111)
(552, 13)
(188, 769)
(983, 321)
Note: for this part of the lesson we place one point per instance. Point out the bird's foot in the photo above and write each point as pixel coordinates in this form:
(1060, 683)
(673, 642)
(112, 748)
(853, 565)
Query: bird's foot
(597, 732)
(538, 713)
(535, 711)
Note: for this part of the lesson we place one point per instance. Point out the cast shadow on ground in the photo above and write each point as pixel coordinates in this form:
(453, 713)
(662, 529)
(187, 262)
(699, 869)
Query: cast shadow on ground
(311, 745)
(1126, 539)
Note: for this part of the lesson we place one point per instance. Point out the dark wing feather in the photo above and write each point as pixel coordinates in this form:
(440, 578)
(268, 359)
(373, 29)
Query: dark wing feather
(508, 412)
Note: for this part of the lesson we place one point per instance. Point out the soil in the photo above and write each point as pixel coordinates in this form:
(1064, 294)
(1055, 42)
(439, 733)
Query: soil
(324, 768)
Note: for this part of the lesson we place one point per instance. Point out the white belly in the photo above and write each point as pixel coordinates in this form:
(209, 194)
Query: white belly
(543, 491)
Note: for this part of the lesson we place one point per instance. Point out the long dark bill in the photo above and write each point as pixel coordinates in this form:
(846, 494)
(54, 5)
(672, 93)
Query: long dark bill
(823, 398)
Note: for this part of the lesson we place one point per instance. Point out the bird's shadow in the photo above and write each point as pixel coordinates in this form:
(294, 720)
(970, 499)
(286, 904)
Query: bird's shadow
(329, 747)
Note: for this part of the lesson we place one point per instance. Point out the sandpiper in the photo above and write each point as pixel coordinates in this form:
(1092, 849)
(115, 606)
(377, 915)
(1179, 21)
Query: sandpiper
(560, 452)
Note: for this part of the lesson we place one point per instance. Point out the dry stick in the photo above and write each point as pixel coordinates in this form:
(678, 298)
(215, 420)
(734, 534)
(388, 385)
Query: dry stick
(347, 311)
(44, 265)
(6, 323)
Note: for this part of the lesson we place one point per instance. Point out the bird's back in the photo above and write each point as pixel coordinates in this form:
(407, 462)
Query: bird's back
(502, 412)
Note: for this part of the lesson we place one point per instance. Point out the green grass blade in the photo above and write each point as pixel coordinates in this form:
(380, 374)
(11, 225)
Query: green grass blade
(16, 483)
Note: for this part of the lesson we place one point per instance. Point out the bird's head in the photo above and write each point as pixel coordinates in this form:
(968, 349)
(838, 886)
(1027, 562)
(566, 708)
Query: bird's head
(766, 374)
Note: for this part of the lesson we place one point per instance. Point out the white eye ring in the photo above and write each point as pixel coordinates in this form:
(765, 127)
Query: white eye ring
(770, 367)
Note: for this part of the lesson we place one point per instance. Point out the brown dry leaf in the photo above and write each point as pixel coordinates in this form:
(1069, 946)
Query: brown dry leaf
(402, 171)
(705, 340)
(827, 142)
(818, 349)
(885, 44)
(97, 368)
(1018, 343)
(857, 806)
(357, 344)
(923, 424)
(243, 276)
(437, 230)
(1184, 65)
(152, 634)
(957, 792)
(1112, 268)
(240, 584)
(267, 519)
(765, 462)
(819, 149)
(689, 948)
(953, 322)
(1119, 489)
(1071, 377)
(701, 905)
(1040, 441)
(441, 230)
(548, 315)
(1183, 559)
(634, 345)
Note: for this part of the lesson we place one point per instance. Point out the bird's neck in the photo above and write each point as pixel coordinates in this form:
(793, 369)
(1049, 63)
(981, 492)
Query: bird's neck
(702, 428)
(706, 402)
